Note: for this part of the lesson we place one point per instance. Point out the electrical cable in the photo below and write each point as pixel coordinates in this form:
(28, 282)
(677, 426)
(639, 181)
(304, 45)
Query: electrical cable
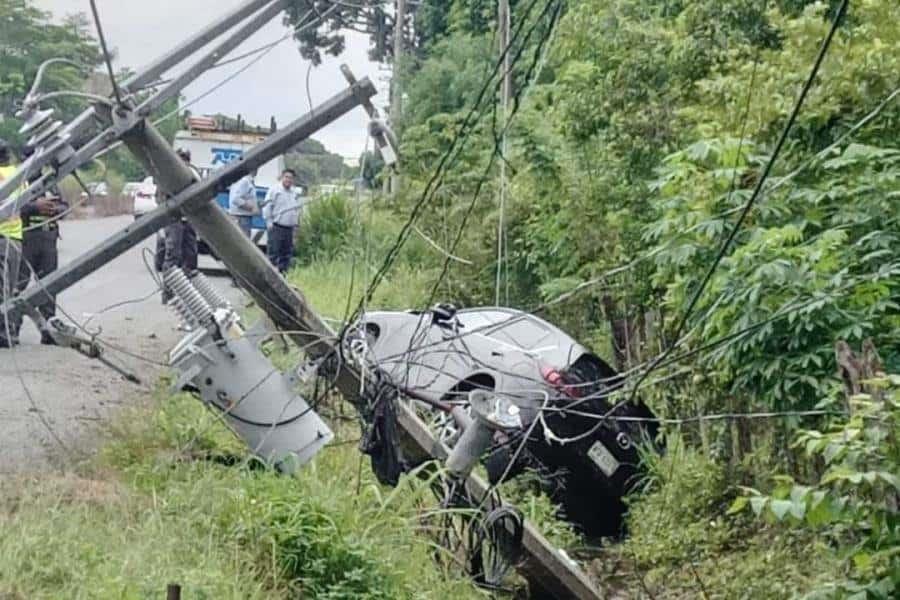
(462, 134)
(261, 53)
(461, 230)
(106, 55)
(723, 250)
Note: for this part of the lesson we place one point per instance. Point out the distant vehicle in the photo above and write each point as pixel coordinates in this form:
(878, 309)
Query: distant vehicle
(586, 464)
(130, 188)
(212, 148)
(98, 188)
(144, 197)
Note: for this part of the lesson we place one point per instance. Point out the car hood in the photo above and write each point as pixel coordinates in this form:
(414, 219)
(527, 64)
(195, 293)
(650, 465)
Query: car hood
(431, 356)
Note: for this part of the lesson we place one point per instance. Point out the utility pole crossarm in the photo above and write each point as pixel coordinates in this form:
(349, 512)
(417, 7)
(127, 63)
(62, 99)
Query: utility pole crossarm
(271, 10)
(157, 68)
(188, 197)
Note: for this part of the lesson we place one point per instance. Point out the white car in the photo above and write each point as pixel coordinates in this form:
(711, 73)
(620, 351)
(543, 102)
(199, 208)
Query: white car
(130, 188)
(144, 197)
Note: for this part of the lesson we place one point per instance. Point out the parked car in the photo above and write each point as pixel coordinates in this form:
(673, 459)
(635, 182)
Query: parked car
(130, 188)
(144, 197)
(443, 354)
(98, 188)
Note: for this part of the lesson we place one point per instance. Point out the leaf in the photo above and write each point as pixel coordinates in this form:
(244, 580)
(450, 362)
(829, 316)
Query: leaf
(758, 503)
(862, 560)
(799, 493)
(739, 504)
(820, 513)
(890, 478)
(798, 509)
(780, 508)
(839, 474)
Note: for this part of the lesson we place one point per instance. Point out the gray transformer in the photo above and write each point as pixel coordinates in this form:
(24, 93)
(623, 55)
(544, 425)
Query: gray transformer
(223, 364)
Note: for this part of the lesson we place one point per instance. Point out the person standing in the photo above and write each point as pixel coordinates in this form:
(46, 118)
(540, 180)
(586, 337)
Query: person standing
(181, 239)
(242, 203)
(282, 214)
(40, 221)
(10, 255)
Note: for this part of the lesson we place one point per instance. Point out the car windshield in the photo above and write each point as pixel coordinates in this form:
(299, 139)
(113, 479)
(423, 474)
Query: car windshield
(522, 331)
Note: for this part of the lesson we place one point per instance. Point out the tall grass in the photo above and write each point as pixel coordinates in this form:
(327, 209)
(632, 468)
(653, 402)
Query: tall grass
(158, 507)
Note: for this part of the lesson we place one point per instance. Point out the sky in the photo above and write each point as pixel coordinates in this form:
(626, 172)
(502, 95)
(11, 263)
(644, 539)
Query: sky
(138, 31)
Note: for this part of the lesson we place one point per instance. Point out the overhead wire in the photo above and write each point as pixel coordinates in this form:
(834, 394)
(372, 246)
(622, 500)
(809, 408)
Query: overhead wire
(748, 206)
(462, 134)
(260, 52)
(107, 58)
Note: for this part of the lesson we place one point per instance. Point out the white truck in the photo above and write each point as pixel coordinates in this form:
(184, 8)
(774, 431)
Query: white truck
(212, 148)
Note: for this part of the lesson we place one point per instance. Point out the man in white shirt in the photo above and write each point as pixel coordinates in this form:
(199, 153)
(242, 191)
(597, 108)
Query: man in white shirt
(242, 203)
(282, 214)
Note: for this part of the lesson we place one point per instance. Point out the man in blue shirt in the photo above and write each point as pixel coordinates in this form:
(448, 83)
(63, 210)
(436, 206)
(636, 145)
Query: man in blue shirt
(282, 214)
(242, 204)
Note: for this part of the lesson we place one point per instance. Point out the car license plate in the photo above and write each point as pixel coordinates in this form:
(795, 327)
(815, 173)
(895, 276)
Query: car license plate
(603, 458)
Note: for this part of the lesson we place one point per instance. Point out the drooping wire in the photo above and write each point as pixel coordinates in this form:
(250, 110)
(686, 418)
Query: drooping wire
(447, 159)
(748, 206)
(107, 58)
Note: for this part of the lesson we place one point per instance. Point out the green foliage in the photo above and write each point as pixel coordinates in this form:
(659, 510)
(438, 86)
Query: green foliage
(28, 38)
(818, 257)
(315, 165)
(326, 228)
(450, 78)
(162, 506)
(682, 543)
(696, 485)
(855, 500)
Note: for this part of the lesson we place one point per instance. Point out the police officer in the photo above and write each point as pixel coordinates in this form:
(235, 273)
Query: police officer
(10, 255)
(181, 239)
(40, 223)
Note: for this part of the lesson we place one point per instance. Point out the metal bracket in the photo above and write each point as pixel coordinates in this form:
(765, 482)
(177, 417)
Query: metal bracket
(67, 336)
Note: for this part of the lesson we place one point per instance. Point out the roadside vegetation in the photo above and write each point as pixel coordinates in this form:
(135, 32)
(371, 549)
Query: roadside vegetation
(173, 497)
(640, 133)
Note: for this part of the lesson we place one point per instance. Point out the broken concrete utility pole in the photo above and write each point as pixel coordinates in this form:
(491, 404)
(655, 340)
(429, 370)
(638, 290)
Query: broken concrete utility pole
(67, 148)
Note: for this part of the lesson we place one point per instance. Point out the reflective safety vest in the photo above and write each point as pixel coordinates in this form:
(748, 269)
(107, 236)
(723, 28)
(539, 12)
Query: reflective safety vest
(11, 228)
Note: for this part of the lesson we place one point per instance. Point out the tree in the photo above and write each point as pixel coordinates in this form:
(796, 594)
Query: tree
(27, 38)
(335, 18)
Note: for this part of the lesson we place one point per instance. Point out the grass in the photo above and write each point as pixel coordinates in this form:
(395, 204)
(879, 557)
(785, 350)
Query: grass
(682, 542)
(160, 504)
(152, 509)
(325, 285)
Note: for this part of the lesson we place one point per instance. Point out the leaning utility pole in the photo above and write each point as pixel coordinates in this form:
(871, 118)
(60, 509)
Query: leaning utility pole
(65, 149)
(503, 25)
(396, 90)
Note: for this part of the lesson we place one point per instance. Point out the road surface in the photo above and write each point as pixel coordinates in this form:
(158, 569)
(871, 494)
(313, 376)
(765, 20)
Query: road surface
(74, 394)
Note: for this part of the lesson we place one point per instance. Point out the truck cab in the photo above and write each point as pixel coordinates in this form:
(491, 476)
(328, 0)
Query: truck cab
(212, 147)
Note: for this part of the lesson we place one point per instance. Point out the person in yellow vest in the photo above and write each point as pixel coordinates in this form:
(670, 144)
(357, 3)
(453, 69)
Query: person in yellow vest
(10, 256)
(40, 254)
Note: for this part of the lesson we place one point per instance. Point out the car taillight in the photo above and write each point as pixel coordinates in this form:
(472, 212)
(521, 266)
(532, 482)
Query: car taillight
(555, 378)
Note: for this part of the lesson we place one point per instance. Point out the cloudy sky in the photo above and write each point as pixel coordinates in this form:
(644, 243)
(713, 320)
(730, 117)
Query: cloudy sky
(141, 30)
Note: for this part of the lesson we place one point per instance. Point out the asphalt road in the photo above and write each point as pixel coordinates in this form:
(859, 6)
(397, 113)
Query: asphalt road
(75, 395)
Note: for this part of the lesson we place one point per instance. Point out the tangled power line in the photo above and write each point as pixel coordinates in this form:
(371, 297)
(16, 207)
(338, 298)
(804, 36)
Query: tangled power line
(641, 373)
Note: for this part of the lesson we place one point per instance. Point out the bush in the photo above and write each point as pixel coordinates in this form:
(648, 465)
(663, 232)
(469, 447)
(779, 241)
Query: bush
(854, 502)
(325, 229)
